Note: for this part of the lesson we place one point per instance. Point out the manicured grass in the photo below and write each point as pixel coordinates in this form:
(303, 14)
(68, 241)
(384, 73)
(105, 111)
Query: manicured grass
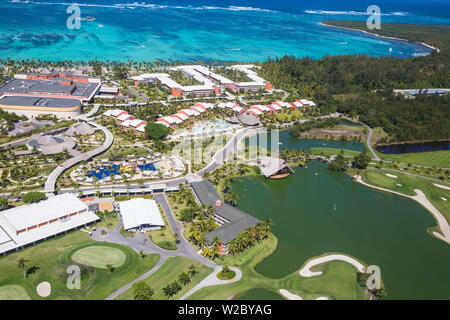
(408, 184)
(333, 151)
(337, 282)
(169, 272)
(54, 256)
(164, 237)
(13, 292)
(99, 256)
(439, 159)
(226, 275)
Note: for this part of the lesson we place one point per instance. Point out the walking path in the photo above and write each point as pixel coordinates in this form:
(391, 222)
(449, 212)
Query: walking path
(422, 199)
(50, 184)
(306, 270)
(212, 280)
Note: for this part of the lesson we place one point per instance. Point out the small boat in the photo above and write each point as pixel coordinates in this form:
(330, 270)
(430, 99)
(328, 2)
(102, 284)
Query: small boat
(89, 18)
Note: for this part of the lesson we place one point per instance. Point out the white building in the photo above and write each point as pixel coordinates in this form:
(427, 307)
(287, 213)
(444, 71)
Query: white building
(29, 224)
(140, 214)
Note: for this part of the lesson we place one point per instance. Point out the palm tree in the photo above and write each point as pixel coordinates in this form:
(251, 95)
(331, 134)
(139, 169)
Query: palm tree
(142, 254)
(192, 270)
(23, 265)
(110, 268)
(184, 278)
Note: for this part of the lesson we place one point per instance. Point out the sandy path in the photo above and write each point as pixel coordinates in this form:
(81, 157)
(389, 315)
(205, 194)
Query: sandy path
(422, 199)
(306, 270)
(441, 186)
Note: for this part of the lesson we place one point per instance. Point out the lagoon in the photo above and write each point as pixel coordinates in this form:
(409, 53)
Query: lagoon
(316, 211)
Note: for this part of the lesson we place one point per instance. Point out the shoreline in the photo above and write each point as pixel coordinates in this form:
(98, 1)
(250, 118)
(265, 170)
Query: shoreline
(381, 36)
(420, 197)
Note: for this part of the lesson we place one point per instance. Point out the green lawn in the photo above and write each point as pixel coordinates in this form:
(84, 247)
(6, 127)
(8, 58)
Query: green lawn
(13, 292)
(408, 184)
(337, 282)
(169, 272)
(439, 159)
(332, 151)
(54, 256)
(99, 256)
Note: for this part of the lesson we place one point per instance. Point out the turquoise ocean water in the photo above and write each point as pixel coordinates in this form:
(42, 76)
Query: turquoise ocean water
(201, 30)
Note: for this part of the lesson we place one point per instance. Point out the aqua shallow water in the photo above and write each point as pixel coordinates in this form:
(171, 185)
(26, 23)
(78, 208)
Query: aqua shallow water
(201, 30)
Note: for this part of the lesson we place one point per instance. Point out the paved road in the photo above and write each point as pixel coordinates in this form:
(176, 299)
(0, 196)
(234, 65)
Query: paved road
(142, 242)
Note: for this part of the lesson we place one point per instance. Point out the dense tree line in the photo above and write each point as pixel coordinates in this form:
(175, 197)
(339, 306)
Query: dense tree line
(362, 86)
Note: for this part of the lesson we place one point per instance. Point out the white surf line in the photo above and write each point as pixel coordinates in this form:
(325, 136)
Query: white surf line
(290, 296)
(422, 199)
(441, 186)
(307, 273)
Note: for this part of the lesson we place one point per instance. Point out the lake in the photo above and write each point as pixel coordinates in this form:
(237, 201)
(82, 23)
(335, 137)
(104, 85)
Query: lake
(414, 147)
(291, 142)
(317, 210)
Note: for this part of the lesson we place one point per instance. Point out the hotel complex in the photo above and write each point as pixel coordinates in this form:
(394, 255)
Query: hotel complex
(60, 93)
(232, 221)
(211, 83)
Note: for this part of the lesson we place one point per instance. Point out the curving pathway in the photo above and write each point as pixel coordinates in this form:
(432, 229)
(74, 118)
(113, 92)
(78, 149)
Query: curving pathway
(306, 270)
(212, 280)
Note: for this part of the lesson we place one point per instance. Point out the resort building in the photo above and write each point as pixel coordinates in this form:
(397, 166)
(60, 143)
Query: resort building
(248, 118)
(140, 214)
(32, 106)
(232, 221)
(257, 83)
(211, 83)
(126, 121)
(52, 85)
(273, 168)
(79, 129)
(50, 144)
(30, 224)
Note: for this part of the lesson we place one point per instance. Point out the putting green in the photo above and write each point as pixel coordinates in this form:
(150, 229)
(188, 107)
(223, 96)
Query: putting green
(99, 256)
(13, 292)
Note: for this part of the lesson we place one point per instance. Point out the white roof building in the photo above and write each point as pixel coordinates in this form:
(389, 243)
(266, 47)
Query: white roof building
(126, 123)
(140, 214)
(237, 108)
(24, 225)
(188, 112)
(124, 117)
(117, 112)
